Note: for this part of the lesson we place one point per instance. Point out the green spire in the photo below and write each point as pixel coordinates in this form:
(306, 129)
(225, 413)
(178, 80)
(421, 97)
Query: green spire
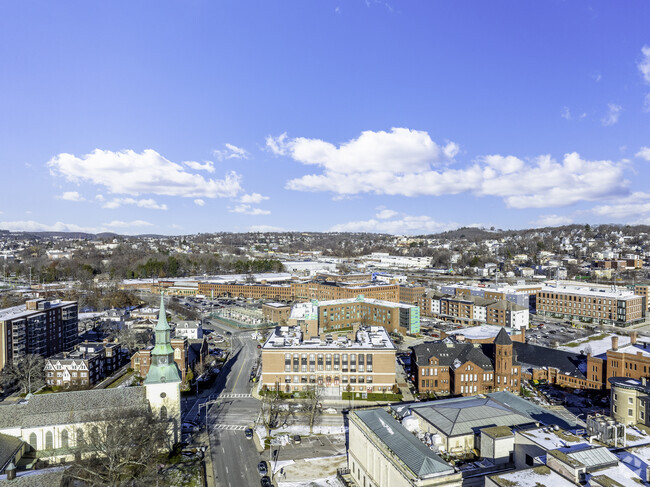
(163, 368)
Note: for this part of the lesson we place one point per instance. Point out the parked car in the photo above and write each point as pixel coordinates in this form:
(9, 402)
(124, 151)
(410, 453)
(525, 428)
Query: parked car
(261, 468)
(296, 439)
(189, 427)
(266, 482)
(249, 433)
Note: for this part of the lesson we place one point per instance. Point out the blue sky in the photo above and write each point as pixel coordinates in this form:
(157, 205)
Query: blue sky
(390, 116)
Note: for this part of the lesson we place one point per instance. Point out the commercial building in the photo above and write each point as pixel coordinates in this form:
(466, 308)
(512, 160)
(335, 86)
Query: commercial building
(592, 304)
(520, 294)
(383, 453)
(364, 362)
(37, 327)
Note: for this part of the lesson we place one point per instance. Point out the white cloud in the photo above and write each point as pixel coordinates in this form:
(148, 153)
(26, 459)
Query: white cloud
(612, 115)
(128, 172)
(199, 202)
(197, 166)
(135, 223)
(142, 203)
(265, 228)
(646, 103)
(386, 214)
(644, 64)
(552, 220)
(536, 183)
(632, 206)
(405, 225)
(231, 152)
(249, 210)
(253, 198)
(72, 196)
(33, 226)
(401, 150)
(99, 197)
(644, 153)
(565, 113)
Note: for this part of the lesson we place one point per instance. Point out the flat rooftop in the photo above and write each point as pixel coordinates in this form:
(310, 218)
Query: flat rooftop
(367, 338)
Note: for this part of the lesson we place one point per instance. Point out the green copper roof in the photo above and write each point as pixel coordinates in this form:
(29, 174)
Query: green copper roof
(162, 324)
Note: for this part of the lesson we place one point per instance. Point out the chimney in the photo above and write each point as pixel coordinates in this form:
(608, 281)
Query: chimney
(523, 334)
(633, 336)
(614, 343)
(11, 471)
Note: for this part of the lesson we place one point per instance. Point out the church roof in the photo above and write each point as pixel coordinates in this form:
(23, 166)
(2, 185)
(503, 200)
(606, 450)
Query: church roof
(452, 354)
(162, 324)
(71, 407)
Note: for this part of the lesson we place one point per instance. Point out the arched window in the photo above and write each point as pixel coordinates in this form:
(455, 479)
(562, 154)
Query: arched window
(80, 437)
(163, 412)
(65, 443)
(49, 441)
(177, 353)
(32, 441)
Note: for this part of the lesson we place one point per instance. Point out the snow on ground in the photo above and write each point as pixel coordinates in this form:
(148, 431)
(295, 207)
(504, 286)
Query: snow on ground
(282, 435)
(327, 482)
(597, 347)
(301, 473)
(88, 316)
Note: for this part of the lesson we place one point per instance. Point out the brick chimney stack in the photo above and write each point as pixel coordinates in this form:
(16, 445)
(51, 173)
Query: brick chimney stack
(633, 337)
(614, 343)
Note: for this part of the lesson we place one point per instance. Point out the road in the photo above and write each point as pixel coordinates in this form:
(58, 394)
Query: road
(234, 458)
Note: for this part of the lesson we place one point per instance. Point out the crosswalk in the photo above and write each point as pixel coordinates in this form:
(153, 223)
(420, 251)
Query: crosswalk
(234, 396)
(229, 427)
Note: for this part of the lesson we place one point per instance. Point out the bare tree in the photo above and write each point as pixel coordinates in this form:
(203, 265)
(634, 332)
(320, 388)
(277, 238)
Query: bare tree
(274, 411)
(25, 370)
(121, 449)
(311, 405)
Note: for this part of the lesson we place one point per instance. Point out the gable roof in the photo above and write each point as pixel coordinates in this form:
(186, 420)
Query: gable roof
(420, 459)
(463, 416)
(536, 356)
(452, 354)
(71, 407)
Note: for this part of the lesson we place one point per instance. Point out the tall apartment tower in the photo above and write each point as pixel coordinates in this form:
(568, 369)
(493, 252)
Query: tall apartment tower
(502, 361)
(38, 327)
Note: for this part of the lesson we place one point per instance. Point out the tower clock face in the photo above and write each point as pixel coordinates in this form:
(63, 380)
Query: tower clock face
(162, 360)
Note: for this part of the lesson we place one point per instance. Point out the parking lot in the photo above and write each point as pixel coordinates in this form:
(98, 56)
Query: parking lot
(555, 334)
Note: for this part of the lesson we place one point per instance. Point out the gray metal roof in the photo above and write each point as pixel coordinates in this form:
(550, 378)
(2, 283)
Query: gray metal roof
(467, 415)
(448, 352)
(559, 416)
(422, 461)
(594, 457)
(8, 447)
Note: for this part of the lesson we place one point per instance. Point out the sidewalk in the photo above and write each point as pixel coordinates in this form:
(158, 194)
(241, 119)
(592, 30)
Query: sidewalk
(209, 469)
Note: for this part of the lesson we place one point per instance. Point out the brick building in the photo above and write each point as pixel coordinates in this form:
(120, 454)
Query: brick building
(362, 363)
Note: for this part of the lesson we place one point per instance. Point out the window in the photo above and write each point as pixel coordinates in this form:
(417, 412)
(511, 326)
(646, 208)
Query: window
(163, 413)
(629, 412)
(65, 441)
(177, 354)
(80, 437)
(32, 441)
(630, 400)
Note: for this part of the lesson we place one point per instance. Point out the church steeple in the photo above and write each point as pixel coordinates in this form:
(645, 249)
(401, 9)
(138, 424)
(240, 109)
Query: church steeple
(163, 368)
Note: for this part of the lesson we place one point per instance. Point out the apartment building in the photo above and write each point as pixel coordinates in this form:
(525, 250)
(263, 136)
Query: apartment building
(362, 363)
(74, 369)
(475, 310)
(189, 329)
(411, 294)
(617, 264)
(643, 290)
(594, 304)
(521, 294)
(631, 361)
(38, 327)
